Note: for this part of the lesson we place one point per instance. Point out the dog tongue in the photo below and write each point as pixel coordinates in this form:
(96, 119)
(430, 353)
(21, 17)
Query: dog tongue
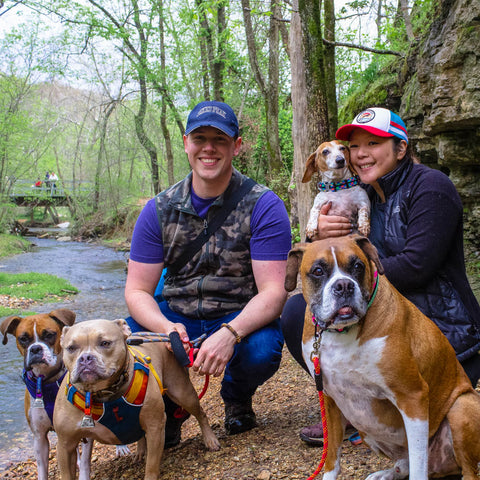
(345, 311)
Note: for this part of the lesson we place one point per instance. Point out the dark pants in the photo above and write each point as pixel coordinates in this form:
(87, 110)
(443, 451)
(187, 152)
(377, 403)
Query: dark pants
(292, 327)
(255, 359)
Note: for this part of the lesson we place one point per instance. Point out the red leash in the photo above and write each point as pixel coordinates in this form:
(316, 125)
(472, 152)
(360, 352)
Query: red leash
(318, 382)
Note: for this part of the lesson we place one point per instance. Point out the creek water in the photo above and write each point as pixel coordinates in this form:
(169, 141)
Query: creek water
(99, 273)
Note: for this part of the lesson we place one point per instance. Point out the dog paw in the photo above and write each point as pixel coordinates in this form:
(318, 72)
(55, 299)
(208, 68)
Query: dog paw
(390, 474)
(212, 443)
(122, 450)
(310, 233)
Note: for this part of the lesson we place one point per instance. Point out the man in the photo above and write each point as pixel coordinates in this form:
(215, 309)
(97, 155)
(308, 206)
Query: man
(232, 289)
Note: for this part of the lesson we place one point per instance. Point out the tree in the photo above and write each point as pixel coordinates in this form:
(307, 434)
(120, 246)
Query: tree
(267, 84)
(311, 119)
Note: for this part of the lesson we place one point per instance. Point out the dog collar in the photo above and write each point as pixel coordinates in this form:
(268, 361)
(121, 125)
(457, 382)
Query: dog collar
(134, 395)
(336, 186)
(375, 289)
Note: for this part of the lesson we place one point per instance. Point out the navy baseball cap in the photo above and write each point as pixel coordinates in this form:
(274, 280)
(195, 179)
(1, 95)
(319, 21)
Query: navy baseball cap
(379, 121)
(213, 114)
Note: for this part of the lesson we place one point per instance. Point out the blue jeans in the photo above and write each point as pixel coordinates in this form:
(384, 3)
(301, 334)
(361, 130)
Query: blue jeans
(255, 359)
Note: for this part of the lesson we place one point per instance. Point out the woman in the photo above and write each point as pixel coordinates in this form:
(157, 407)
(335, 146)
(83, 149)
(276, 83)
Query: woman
(416, 225)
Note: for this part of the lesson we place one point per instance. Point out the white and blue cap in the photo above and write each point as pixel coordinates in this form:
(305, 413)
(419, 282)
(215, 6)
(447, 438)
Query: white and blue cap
(213, 114)
(379, 121)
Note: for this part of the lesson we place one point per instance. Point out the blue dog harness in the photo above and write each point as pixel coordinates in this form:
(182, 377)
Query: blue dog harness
(120, 416)
(40, 390)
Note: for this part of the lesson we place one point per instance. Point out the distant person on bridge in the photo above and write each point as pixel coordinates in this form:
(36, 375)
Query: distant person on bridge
(232, 288)
(53, 179)
(38, 183)
(47, 179)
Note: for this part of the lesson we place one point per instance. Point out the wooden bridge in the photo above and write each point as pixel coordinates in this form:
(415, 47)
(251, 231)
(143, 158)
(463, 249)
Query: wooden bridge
(24, 192)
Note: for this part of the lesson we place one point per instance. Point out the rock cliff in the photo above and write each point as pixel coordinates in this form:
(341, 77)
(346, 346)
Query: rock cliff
(440, 102)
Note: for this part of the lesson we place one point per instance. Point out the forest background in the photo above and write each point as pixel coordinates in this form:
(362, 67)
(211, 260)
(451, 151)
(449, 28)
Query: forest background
(98, 91)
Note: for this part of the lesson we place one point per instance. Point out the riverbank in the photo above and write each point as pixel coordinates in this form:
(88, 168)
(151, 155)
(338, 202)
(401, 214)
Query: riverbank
(13, 245)
(98, 272)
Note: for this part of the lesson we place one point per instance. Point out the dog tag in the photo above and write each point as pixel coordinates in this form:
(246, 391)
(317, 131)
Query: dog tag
(38, 403)
(87, 422)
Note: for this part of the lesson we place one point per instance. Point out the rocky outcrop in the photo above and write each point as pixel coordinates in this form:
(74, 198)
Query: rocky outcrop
(440, 102)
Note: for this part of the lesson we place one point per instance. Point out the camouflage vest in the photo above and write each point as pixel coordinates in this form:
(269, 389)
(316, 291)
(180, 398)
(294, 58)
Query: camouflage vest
(218, 280)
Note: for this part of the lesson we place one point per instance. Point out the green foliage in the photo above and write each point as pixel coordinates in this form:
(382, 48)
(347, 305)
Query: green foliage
(12, 245)
(259, 161)
(370, 77)
(296, 236)
(35, 286)
(422, 16)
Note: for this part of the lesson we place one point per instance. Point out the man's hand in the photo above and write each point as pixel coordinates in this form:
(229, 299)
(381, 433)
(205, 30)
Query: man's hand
(214, 353)
(331, 225)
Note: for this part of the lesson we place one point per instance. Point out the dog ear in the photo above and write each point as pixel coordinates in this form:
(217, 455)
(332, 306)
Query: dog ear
(294, 260)
(63, 316)
(62, 337)
(370, 251)
(9, 325)
(123, 326)
(309, 168)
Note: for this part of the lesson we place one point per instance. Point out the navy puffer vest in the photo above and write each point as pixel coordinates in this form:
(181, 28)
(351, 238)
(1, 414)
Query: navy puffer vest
(440, 299)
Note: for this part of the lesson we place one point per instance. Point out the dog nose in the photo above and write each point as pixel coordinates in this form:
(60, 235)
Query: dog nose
(343, 287)
(86, 358)
(36, 349)
(340, 161)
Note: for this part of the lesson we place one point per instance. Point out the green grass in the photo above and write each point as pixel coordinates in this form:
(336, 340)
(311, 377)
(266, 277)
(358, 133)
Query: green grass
(7, 312)
(12, 245)
(40, 287)
(37, 286)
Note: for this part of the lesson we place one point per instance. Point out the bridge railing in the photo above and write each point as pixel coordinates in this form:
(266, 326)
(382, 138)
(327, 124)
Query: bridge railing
(57, 188)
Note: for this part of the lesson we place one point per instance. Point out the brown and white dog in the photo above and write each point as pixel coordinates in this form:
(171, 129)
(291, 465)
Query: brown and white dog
(38, 341)
(337, 184)
(125, 386)
(386, 367)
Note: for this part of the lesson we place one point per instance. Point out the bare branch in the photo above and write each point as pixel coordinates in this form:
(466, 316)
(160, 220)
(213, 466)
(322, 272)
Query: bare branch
(361, 47)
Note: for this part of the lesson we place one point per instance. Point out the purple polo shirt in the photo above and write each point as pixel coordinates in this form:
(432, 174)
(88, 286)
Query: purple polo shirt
(270, 227)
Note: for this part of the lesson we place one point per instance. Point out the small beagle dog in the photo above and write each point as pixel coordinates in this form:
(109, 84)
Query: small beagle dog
(338, 184)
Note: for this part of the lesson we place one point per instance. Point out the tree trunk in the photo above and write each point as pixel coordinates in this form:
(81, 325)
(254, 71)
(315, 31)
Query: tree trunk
(310, 118)
(168, 145)
(206, 48)
(330, 80)
(269, 90)
(163, 116)
(219, 64)
(407, 19)
(273, 140)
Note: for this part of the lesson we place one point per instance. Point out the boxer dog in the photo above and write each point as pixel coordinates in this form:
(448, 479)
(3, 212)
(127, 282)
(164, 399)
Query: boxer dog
(339, 185)
(112, 393)
(386, 367)
(38, 341)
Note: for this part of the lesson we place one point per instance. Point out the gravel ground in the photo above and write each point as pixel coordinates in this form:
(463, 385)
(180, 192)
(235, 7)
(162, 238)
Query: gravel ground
(272, 451)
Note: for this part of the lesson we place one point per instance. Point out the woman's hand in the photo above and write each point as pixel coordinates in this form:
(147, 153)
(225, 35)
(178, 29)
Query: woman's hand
(332, 225)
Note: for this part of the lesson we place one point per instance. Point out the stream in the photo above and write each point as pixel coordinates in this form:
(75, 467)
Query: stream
(99, 273)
